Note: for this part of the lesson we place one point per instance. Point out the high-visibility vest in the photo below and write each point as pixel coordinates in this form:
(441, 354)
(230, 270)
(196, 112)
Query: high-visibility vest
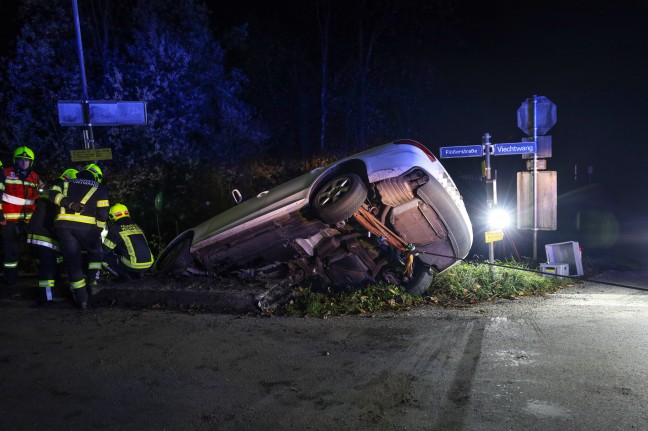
(18, 195)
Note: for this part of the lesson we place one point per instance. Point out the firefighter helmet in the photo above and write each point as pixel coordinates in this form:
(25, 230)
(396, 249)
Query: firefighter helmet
(118, 211)
(96, 172)
(23, 153)
(68, 174)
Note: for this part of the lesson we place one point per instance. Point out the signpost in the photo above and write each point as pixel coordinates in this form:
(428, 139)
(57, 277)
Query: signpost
(536, 115)
(86, 113)
(487, 149)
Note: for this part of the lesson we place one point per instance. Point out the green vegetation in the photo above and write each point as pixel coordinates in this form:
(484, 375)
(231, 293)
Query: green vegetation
(368, 299)
(475, 282)
(465, 283)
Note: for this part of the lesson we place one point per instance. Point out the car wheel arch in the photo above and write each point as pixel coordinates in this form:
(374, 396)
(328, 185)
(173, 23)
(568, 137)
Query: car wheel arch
(176, 256)
(354, 166)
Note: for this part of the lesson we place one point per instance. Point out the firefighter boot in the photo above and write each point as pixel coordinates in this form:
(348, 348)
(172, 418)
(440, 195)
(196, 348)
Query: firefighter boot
(80, 297)
(44, 295)
(92, 282)
(45, 292)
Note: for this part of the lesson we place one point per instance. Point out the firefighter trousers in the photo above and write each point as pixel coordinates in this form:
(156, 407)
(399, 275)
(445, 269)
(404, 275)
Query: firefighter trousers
(73, 242)
(48, 271)
(113, 263)
(13, 236)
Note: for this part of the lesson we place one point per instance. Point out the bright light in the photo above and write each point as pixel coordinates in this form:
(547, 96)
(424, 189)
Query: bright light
(498, 218)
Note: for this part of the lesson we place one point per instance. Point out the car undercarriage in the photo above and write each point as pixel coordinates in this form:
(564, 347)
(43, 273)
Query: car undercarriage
(350, 235)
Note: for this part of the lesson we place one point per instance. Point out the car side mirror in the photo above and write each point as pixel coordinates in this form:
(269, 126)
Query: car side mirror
(238, 198)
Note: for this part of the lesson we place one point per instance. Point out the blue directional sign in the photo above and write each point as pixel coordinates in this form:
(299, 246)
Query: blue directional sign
(462, 151)
(102, 113)
(514, 148)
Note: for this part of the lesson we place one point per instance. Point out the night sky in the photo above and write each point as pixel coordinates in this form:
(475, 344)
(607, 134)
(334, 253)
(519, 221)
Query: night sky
(587, 56)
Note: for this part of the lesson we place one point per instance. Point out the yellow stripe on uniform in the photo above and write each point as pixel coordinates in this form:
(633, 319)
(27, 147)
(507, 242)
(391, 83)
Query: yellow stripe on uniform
(77, 218)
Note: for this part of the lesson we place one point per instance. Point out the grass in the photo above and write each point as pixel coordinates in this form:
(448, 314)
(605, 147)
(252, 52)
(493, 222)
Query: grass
(475, 282)
(369, 299)
(465, 283)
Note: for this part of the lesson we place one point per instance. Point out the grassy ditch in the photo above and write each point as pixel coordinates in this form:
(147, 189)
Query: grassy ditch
(465, 283)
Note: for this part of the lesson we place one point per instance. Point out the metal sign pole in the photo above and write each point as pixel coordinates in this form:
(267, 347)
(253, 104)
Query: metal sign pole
(489, 190)
(535, 180)
(88, 137)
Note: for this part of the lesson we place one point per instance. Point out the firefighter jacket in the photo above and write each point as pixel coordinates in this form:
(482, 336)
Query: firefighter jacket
(90, 194)
(126, 239)
(40, 230)
(19, 194)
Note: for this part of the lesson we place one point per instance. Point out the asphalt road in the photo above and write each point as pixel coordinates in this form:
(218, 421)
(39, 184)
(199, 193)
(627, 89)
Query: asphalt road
(577, 359)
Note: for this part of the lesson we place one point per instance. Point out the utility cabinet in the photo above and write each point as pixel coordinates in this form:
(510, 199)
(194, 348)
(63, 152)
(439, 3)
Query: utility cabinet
(553, 269)
(566, 252)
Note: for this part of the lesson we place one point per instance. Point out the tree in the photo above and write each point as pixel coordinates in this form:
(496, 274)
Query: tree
(194, 110)
(341, 76)
(158, 51)
(42, 72)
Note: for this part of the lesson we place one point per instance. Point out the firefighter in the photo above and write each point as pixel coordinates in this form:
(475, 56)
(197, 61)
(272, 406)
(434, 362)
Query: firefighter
(44, 245)
(126, 251)
(82, 216)
(19, 186)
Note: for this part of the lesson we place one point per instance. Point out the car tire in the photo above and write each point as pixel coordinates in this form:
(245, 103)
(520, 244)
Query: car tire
(339, 198)
(421, 280)
(175, 258)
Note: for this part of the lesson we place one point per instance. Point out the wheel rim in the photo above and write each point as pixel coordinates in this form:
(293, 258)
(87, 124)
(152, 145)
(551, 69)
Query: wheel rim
(333, 191)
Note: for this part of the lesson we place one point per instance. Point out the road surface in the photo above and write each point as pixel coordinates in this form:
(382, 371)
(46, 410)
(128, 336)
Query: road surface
(577, 359)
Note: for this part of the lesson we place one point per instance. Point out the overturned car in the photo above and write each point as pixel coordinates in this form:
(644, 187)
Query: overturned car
(389, 214)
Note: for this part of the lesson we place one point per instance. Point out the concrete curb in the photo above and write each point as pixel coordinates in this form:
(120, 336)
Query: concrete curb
(231, 302)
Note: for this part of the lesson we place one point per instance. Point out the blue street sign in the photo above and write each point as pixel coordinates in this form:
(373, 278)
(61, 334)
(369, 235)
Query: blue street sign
(102, 113)
(514, 148)
(462, 151)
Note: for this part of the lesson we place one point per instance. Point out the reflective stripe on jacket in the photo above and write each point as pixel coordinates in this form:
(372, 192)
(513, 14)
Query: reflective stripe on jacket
(40, 230)
(19, 196)
(89, 193)
(43, 241)
(128, 240)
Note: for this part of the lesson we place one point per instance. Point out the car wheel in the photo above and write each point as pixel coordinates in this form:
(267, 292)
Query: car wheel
(420, 280)
(175, 258)
(340, 198)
